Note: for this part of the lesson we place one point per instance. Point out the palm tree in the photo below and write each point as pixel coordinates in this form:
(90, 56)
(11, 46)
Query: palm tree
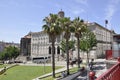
(79, 27)
(53, 29)
(67, 28)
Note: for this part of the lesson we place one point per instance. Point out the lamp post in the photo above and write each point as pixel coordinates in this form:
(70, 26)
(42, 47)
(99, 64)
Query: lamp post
(44, 60)
(106, 22)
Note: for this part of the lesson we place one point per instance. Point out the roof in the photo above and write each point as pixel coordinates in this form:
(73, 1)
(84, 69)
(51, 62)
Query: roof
(94, 23)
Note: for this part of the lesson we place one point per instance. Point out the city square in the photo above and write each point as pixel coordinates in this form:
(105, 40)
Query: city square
(59, 40)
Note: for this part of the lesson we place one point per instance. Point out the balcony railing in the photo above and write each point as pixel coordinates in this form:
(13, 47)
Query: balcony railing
(112, 74)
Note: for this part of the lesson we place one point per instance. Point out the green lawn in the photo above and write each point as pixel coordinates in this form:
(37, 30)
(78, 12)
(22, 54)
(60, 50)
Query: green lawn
(73, 70)
(25, 72)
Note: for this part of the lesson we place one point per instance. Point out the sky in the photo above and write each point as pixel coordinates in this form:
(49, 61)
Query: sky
(19, 17)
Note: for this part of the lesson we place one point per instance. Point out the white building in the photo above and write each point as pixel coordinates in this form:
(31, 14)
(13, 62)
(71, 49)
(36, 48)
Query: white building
(40, 43)
(104, 38)
(116, 46)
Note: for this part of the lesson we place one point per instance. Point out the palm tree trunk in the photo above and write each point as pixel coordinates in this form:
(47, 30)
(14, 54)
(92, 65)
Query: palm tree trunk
(53, 58)
(78, 43)
(67, 56)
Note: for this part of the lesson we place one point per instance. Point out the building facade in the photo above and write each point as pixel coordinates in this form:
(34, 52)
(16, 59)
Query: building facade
(116, 46)
(41, 45)
(25, 45)
(104, 38)
(3, 45)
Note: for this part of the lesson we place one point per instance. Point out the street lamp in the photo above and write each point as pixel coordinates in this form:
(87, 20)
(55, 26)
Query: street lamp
(106, 22)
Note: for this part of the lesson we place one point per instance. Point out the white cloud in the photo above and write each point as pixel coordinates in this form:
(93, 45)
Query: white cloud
(57, 5)
(78, 11)
(111, 9)
(33, 24)
(84, 2)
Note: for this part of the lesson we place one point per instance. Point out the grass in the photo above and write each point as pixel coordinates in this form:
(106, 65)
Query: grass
(25, 72)
(72, 70)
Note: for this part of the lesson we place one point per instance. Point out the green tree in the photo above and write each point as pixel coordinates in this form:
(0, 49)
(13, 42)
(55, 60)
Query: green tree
(65, 23)
(70, 45)
(2, 56)
(79, 27)
(87, 42)
(53, 29)
(9, 53)
(16, 52)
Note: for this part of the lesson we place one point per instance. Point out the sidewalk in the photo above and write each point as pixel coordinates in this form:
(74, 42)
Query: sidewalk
(2, 70)
(50, 74)
(99, 68)
(7, 67)
(73, 76)
(58, 63)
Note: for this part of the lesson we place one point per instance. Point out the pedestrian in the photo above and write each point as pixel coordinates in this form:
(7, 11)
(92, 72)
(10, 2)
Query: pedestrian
(80, 60)
(91, 64)
(63, 74)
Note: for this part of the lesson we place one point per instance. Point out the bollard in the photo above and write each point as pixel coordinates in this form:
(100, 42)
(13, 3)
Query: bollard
(91, 75)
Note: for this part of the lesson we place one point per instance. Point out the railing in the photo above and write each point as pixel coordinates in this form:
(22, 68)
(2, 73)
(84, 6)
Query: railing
(112, 74)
